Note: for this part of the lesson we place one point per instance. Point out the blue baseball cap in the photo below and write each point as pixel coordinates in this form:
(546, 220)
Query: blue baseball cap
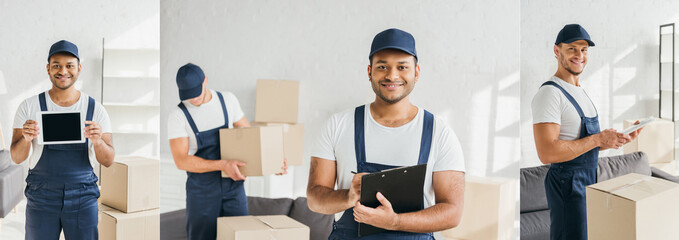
(190, 81)
(395, 39)
(63, 46)
(571, 33)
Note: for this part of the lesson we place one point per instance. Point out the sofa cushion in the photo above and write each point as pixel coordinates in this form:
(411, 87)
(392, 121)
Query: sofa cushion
(533, 196)
(269, 206)
(535, 225)
(320, 224)
(5, 159)
(615, 166)
(173, 225)
(11, 188)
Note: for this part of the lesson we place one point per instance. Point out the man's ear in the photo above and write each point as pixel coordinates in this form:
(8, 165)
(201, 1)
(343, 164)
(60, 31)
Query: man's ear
(369, 73)
(556, 51)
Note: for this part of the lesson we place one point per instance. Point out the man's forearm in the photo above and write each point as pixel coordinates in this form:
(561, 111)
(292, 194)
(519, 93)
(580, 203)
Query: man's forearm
(104, 152)
(19, 150)
(436, 218)
(565, 150)
(197, 164)
(327, 200)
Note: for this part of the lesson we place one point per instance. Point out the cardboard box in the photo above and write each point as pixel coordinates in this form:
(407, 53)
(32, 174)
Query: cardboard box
(633, 206)
(116, 225)
(489, 207)
(670, 167)
(656, 140)
(293, 141)
(131, 184)
(260, 148)
(277, 101)
(278, 227)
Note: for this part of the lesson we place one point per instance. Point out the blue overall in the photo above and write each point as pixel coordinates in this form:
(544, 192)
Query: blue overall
(208, 195)
(565, 184)
(347, 227)
(61, 191)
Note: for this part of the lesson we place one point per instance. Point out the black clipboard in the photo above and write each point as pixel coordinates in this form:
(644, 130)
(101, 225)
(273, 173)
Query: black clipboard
(402, 186)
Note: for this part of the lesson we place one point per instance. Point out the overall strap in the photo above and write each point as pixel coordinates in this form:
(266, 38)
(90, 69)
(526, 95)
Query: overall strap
(568, 96)
(427, 133)
(359, 135)
(43, 102)
(226, 115)
(189, 118)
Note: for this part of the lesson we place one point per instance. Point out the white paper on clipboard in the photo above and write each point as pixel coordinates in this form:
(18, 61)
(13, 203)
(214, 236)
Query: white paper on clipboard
(641, 124)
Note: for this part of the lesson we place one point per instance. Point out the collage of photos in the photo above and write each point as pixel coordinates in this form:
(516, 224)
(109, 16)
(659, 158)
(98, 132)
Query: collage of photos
(315, 120)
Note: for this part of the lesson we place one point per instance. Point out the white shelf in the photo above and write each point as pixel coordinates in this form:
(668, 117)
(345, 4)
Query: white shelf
(122, 104)
(131, 95)
(132, 62)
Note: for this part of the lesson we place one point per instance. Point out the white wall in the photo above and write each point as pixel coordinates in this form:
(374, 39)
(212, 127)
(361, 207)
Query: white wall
(621, 76)
(468, 55)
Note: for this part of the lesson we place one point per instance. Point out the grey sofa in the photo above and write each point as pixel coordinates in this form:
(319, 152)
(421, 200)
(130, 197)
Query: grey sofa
(173, 225)
(11, 183)
(534, 210)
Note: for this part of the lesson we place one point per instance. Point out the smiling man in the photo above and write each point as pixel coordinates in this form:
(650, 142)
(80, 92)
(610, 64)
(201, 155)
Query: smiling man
(392, 130)
(61, 187)
(567, 135)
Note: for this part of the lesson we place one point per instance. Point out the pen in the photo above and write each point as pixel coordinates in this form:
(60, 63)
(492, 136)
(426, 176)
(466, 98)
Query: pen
(353, 172)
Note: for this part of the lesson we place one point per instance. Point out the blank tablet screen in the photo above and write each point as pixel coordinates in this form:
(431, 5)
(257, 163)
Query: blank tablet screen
(61, 127)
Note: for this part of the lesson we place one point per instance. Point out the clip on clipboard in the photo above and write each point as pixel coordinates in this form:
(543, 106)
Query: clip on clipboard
(402, 186)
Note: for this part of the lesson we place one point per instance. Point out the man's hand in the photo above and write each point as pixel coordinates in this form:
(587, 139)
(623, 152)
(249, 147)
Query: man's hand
(30, 130)
(610, 138)
(354, 193)
(284, 167)
(635, 134)
(93, 132)
(231, 169)
(382, 216)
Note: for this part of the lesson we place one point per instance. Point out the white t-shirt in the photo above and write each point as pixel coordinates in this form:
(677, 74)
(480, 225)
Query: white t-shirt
(29, 108)
(550, 105)
(206, 116)
(399, 146)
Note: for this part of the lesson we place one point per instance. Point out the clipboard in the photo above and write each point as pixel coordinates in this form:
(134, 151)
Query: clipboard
(403, 187)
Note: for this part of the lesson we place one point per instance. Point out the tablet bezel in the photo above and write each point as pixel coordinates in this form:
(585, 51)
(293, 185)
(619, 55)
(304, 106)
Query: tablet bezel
(40, 136)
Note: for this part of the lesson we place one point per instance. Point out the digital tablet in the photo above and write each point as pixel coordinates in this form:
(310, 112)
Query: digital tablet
(60, 128)
(641, 124)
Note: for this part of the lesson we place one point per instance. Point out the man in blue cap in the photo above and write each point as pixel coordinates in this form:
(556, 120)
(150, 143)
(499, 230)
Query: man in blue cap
(390, 132)
(61, 187)
(567, 135)
(193, 130)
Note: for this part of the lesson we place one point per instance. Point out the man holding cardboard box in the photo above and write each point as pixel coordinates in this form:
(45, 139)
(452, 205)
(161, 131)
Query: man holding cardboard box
(567, 136)
(394, 130)
(193, 130)
(61, 189)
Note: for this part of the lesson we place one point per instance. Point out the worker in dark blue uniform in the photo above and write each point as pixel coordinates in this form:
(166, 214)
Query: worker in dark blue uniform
(193, 130)
(387, 133)
(61, 187)
(568, 136)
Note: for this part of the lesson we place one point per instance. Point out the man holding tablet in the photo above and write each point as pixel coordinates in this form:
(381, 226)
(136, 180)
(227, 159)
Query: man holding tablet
(387, 133)
(61, 189)
(567, 136)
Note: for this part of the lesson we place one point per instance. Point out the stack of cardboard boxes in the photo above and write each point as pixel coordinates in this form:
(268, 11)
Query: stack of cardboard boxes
(130, 200)
(657, 141)
(274, 135)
